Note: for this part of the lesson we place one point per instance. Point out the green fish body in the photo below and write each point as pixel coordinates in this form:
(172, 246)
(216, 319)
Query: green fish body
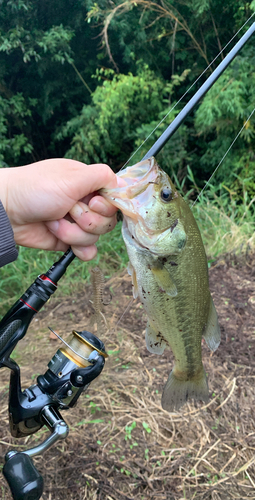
(169, 272)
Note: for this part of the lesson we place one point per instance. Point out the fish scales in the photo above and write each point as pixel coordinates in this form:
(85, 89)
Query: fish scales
(169, 272)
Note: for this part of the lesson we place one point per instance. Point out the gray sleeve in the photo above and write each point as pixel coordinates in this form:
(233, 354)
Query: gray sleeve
(8, 251)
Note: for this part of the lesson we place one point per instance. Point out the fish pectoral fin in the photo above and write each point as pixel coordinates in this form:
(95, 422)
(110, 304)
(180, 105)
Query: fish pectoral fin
(132, 273)
(165, 282)
(212, 329)
(155, 343)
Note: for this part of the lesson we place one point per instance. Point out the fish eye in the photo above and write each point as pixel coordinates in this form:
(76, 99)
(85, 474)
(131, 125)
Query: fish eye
(166, 194)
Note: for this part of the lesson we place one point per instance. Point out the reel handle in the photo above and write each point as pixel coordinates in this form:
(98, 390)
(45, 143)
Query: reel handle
(23, 478)
(19, 471)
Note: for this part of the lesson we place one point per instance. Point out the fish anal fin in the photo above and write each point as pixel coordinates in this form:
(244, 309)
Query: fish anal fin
(155, 343)
(212, 329)
(164, 280)
(132, 273)
(178, 391)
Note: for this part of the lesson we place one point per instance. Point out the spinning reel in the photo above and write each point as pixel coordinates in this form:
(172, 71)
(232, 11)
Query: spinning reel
(70, 371)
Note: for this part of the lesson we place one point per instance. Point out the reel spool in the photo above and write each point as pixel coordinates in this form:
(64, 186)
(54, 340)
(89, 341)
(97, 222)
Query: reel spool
(79, 347)
(67, 370)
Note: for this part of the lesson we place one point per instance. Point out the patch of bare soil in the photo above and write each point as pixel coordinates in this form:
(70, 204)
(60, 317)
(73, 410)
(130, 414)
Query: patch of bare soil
(122, 445)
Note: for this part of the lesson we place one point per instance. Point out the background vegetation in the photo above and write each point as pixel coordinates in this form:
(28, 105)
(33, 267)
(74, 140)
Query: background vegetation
(90, 81)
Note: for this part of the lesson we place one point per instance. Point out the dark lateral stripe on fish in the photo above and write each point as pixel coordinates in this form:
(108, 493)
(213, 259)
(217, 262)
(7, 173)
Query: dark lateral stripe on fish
(191, 361)
(191, 356)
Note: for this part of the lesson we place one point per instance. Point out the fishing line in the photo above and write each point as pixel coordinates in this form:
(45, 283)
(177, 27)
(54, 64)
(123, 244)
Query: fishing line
(187, 91)
(223, 158)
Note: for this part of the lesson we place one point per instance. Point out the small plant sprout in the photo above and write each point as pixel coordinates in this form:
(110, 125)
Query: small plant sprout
(147, 427)
(128, 430)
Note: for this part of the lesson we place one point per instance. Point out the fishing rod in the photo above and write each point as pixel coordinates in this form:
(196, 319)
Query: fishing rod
(76, 363)
(171, 129)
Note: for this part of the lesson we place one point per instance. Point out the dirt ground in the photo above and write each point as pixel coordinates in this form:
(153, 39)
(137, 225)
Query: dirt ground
(121, 444)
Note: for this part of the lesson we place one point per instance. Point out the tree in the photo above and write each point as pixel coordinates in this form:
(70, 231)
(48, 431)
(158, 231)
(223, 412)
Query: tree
(167, 34)
(41, 86)
(124, 111)
(219, 119)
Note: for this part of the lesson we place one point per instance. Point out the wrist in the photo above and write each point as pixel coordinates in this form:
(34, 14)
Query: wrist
(4, 185)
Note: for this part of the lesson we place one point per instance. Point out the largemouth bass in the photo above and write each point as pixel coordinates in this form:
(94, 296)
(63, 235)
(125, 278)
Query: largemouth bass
(169, 272)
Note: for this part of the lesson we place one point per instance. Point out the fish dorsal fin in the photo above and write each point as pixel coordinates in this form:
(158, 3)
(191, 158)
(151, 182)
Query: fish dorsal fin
(132, 273)
(155, 343)
(165, 281)
(212, 329)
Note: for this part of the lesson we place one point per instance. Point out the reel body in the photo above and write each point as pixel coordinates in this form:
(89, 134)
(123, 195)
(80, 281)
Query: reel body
(60, 386)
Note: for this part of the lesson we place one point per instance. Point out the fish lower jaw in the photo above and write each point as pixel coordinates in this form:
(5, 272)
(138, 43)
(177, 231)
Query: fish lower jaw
(154, 254)
(142, 246)
(149, 242)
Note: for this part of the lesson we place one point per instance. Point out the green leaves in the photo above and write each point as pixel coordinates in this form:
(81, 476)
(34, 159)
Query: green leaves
(107, 128)
(125, 109)
(200, 6)
(13, 114)
(147, 427)
(19, 5)
(56, 41)
(33, 52)
(221, 116)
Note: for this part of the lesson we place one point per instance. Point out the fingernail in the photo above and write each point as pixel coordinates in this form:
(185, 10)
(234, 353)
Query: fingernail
(76, 211)
(98, 206)
(121, 182)
(53, 225)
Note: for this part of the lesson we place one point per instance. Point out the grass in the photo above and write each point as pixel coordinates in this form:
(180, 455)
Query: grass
(121, 444)
(224, 230)
(226, 222)
(227, 226)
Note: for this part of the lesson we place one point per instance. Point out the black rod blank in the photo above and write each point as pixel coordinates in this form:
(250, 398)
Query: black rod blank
(171, 129)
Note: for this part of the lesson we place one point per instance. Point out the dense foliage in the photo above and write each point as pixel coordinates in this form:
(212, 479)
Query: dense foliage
(92, 80)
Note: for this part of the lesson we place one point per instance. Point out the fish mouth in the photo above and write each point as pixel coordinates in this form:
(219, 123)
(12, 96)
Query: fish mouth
(139, 181)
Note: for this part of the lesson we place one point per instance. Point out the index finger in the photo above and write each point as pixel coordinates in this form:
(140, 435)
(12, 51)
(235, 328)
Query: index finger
(101, 206)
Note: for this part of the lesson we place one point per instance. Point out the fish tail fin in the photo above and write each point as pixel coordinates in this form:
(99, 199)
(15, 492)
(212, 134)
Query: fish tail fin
(177, 392)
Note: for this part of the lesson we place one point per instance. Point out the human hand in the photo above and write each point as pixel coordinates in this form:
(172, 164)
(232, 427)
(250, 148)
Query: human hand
(40, 198)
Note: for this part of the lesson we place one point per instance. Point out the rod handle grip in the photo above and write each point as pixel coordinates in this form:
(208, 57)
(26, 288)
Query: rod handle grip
(8, 331)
